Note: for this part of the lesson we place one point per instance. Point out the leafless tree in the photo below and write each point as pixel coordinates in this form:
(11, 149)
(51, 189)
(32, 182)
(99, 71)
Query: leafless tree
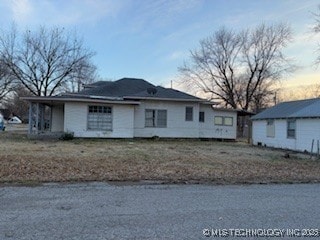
(316, 29)
(239, 68)
(45, 61)
(85, 74)
(6, 82)
(17, 106)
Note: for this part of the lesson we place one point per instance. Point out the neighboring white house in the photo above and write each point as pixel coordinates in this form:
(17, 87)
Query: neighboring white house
(289, 125)
(130, 108)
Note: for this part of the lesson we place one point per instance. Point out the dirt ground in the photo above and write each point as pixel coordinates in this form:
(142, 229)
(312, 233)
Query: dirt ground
(176, 161)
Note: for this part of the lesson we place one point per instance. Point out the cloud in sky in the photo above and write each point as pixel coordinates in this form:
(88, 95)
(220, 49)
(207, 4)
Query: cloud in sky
(60, 12)
(152, 38)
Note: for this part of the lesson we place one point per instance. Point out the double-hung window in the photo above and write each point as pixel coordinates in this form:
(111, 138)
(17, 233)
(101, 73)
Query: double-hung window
(156, 118)
(201, 116)
(291, 128)
(100, 118)
(189, 113)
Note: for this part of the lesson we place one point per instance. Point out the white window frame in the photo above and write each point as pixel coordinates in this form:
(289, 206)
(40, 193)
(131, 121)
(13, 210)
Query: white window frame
(155, 119)
(99, 118)
(291, 129)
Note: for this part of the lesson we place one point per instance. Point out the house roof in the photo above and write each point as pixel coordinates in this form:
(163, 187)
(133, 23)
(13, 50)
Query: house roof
(125, 90)
(161, 92)
(119, 88)
(295, 109)
(131, 88)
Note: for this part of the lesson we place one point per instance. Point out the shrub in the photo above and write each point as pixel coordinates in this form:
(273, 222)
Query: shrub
(67, 136)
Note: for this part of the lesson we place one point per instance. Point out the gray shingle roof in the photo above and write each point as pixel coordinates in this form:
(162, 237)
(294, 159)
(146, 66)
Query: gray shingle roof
(132, 88)
(161, 92)
(295, 109)
(119, 88)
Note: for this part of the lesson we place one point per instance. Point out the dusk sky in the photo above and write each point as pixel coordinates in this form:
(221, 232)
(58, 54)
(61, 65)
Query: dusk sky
(150, 39)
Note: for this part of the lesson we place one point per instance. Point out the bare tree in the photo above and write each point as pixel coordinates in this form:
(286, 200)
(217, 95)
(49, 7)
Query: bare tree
(85, 74)
(17, 106)
(239, 68)
(316, 29)
(45, 61)
(6, 82)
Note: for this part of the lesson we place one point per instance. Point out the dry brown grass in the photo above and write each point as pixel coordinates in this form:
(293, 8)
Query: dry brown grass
(25, 161)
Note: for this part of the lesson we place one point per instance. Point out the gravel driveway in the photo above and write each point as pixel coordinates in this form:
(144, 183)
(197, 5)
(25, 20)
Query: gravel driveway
(103, 211)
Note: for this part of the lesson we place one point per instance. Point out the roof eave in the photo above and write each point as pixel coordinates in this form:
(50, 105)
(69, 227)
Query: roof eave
(82, 100)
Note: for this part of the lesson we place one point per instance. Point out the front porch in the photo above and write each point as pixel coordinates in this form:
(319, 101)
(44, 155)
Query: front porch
(46, 119)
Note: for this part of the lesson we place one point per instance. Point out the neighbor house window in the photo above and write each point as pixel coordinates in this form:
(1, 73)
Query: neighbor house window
(223, 121)
(270, 128)
(228, 121)
(100, 118)
(291, 128)
(189, 113)
(218, 120)
(201, 116)
(156, 118)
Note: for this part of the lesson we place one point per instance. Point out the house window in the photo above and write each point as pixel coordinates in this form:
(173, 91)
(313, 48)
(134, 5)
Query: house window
(228, 121)
(156, 118)
(189, 113)
(100, 118)
(291, 128)
(201, 116)
(223, 121)
(218, 120)
(270, 128)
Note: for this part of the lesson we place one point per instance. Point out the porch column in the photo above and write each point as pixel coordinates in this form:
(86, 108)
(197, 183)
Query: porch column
(37, 118)
(30, 118)
(42, 109)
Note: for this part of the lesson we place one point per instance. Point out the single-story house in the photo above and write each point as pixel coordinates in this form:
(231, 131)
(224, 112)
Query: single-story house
(129, 108)
(289, 125)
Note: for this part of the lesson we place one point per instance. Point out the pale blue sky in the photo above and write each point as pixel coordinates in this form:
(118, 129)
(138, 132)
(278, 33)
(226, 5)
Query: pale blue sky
(150, 39)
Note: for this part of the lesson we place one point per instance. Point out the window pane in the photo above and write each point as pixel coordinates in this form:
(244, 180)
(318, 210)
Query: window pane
(150, 118)
(162, 118)
(189, 113)
(228, 121)
(201, 116)
(218, 120)
(291, 128)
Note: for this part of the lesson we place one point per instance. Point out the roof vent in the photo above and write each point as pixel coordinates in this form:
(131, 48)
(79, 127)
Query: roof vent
(151, 91)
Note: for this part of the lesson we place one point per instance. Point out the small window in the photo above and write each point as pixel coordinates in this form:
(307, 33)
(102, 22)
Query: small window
(291, 128)
(270, 128)
(189, 113)
(201, 116)
(218, 120)
(156, 118)
(228, 121)
(223, 121)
